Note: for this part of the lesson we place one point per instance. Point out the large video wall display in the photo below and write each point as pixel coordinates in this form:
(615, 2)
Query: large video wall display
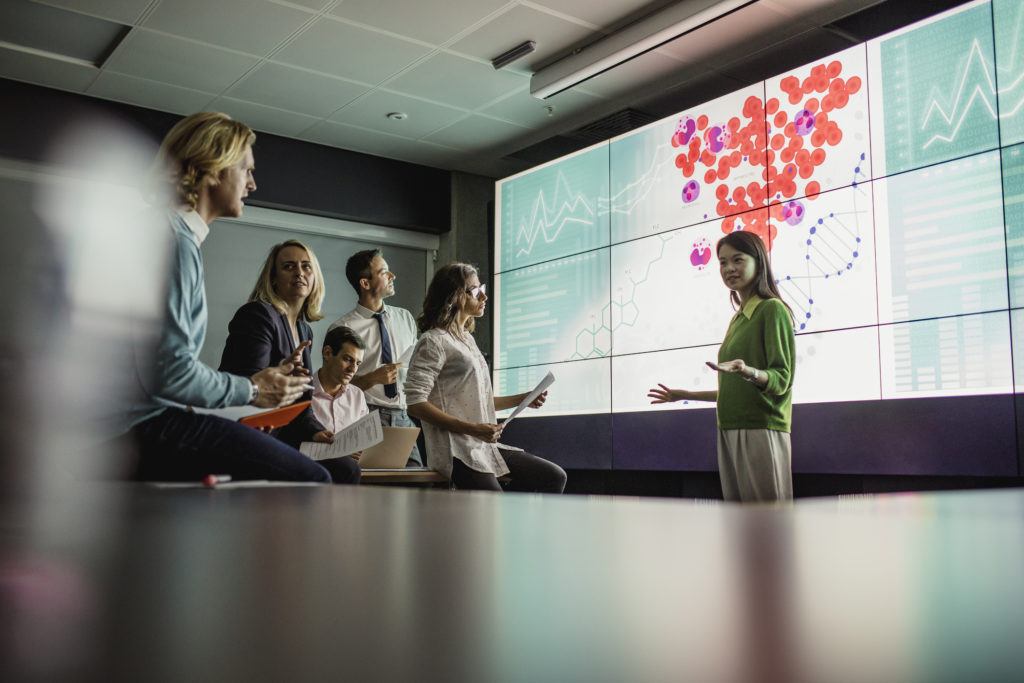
(887, 181)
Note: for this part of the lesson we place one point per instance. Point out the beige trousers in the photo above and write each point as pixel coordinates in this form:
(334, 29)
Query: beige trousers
(755, 465)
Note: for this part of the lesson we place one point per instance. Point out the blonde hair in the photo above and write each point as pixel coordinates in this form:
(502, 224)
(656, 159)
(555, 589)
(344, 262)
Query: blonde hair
(196, 150)
(264, 288)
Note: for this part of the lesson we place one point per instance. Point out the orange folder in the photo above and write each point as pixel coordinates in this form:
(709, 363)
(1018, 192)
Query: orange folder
(278, 417)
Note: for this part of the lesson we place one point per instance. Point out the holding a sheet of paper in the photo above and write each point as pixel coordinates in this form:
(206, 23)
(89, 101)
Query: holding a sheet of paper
(449, 390)
(340, 407)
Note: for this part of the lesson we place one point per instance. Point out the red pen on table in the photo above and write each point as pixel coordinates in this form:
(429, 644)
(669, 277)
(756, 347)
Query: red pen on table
(211, 480)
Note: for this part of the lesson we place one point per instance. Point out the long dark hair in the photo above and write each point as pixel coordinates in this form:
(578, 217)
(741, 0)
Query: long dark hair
(444, 298)
(764, 282)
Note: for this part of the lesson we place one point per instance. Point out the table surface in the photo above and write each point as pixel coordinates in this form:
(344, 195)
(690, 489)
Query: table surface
(127, 582)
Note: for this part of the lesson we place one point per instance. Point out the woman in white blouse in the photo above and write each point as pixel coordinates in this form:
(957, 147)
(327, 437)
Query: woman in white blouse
(448, 389)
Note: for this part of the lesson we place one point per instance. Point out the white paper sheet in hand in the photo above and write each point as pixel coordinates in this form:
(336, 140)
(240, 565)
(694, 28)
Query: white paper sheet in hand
(363, 433)
(541, 387)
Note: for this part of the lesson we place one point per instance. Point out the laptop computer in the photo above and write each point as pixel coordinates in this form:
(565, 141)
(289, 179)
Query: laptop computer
(392, 452)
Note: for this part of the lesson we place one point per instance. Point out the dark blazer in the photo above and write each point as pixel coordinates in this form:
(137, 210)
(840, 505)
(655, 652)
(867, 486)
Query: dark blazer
(258, 337)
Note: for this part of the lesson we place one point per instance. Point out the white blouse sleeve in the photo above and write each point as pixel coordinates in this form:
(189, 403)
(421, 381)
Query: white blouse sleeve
(427, 360)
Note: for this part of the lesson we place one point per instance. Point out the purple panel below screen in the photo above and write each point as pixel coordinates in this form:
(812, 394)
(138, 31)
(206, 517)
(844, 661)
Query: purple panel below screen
(955, 436)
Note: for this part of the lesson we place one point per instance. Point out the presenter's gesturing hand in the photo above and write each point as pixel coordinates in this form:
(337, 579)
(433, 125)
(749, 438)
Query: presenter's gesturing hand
(662, 394)
(277, 386)
(739, 367)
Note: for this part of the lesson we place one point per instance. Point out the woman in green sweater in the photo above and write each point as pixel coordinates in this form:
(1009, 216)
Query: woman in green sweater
(755, 386)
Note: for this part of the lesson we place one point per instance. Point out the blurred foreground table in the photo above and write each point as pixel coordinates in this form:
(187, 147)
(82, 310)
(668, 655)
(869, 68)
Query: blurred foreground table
(131, 583)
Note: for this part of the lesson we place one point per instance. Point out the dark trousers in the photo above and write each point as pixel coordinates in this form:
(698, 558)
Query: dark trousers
(178, 445)
(527, 472)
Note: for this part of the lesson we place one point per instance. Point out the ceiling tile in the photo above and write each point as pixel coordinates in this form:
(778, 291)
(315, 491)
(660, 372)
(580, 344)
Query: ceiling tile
(344, 50)
(253, 26)
(179, 62)
(457, 81)
(21, 66)
(121, 11)
(264, 119)
(150, 94)
(285, 87)
(526, 110)
(553, 36)
(350, 137)
(429, 22)
(603, 14)
(477, 132)
(423, 117)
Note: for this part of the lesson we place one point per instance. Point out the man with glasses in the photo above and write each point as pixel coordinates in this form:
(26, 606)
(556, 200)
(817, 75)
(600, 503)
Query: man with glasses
(389, 333)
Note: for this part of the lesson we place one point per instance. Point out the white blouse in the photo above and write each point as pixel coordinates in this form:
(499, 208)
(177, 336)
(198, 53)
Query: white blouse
(452, 374)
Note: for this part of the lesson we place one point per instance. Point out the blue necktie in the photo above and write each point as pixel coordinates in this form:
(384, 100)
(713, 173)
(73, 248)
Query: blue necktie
(390, 390)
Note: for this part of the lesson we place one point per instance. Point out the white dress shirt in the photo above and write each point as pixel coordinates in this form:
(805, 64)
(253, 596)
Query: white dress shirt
(451, 373)
(337, 412)
(401, 328)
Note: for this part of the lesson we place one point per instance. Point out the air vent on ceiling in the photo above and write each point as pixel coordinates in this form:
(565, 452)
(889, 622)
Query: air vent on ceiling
(614, 124)
(610, 126)
(57, 33)
(884, 17)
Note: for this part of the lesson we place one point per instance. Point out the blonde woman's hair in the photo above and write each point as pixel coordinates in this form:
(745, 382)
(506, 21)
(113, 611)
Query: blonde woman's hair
(264, 288)
(196, 150)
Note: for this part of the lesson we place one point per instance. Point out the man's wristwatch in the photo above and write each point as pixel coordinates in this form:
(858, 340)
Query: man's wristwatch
(753, 378)
(254, 392)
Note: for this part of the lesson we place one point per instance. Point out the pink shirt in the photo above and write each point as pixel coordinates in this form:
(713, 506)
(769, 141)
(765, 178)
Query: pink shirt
(337, 412)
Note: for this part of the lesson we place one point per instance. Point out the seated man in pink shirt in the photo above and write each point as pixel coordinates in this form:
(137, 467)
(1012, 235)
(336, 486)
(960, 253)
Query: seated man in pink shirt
(336, 403)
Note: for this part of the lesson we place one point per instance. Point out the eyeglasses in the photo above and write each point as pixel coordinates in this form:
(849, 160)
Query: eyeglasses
(475, 292)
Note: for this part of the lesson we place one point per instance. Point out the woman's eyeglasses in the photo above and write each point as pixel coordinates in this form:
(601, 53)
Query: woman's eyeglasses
(475, 292)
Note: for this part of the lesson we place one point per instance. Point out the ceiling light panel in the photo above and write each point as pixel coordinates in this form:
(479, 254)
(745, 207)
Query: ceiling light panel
(253, 26)
(121, 11)
(58, 32)
(180, 62)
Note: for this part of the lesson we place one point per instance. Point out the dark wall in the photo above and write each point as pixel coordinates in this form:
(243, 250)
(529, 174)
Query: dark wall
(292, 175)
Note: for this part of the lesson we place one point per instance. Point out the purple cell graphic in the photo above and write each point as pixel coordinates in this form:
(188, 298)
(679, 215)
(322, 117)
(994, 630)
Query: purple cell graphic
(685, 130)
(701, 254)
(715, 137)
(804, 122)
(793, 213)
(691, 191)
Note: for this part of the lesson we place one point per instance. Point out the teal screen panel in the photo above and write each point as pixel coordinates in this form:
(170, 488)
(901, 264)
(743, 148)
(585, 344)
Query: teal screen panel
(554, 311)
(941, 240)
(1013, 207)
(938, 90)
(553, 211)
(1009, 23)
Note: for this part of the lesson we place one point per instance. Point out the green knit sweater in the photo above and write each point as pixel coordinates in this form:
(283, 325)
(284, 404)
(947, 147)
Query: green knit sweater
(761, 334)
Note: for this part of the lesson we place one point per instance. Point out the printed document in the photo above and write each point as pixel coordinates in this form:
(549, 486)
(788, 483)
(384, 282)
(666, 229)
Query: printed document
(363, 433)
